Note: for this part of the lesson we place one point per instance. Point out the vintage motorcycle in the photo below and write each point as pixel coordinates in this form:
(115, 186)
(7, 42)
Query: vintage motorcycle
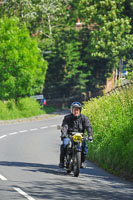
(73, 154)
(72, 160)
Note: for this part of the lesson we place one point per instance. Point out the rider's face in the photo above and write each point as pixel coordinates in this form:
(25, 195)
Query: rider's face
(76, 111)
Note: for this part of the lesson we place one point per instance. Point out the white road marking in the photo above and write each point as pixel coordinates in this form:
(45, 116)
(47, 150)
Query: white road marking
(23, 193)
(3, 178)
(44, 127)
(3, 136)
(14, 133)
(23, 131)
(53, 126)
(34, 129)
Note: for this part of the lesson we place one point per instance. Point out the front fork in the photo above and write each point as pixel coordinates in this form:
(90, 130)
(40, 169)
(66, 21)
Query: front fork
(71, 154)
(78, 148)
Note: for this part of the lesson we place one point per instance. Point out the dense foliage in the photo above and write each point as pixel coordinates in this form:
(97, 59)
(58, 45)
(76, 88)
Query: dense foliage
(111, 37)
(112, 121)
(80, 58)
(22, 68)
(23, 108)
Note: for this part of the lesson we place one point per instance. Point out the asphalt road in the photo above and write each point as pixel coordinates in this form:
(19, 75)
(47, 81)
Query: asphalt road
(29, 157)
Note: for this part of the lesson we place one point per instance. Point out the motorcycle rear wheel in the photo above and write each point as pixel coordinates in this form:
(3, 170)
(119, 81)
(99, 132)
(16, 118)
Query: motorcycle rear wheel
(77, 162)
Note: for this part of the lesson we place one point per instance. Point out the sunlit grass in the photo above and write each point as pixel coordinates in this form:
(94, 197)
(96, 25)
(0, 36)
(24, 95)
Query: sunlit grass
(24, 107)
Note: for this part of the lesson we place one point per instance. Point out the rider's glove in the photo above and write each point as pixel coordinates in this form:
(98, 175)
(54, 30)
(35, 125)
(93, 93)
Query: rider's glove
(90, 139)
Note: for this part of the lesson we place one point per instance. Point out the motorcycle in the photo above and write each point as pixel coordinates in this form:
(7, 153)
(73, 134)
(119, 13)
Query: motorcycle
(72, 160)
(73, 153)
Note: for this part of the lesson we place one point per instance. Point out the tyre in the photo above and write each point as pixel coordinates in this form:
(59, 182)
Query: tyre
(68, 163)
(77, 162)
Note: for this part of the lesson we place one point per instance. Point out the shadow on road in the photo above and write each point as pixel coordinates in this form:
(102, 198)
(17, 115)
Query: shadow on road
(90, 171)
(35, 167)
(89, 185)
(54, 169)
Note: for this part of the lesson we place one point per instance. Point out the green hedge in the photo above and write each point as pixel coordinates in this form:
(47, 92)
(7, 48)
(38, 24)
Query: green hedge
(24, 107)
(112, 121)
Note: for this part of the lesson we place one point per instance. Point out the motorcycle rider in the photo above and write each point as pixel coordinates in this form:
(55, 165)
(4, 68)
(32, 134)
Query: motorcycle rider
(75, 122)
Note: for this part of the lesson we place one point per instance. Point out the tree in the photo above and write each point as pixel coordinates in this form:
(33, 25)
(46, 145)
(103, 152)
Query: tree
(67, 70)
(40, 16)
(22, 68)
(111, 37)
(80, 58)
(74, 75)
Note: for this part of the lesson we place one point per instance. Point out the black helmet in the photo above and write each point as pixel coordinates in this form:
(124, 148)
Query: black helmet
(76, 105)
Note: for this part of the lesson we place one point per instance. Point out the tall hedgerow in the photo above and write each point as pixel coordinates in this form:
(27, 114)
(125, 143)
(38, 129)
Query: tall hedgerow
(112, 121)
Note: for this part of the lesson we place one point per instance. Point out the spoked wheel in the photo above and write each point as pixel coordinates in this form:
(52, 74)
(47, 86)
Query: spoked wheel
(77, 162)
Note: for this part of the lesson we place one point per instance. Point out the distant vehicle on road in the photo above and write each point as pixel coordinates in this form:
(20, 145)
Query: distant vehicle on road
(40, 98)
(44, 102)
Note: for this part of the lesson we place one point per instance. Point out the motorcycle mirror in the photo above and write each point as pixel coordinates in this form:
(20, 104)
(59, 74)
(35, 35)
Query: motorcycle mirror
(58, 127)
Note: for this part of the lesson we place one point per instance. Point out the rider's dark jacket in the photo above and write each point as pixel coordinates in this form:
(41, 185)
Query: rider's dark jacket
(76, 124)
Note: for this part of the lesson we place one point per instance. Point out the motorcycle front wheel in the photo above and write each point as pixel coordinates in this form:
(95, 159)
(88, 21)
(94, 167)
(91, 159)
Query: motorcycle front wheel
(77, 162)
(68, 164)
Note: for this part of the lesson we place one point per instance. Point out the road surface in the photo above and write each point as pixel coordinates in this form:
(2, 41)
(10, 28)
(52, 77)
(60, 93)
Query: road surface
(29, 158)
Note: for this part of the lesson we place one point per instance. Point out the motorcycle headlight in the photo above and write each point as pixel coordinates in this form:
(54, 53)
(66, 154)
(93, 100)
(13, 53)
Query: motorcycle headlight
(77, 137)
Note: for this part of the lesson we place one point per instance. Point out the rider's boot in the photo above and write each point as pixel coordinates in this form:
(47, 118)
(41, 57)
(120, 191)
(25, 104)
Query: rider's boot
(61, 164)
(83, 165)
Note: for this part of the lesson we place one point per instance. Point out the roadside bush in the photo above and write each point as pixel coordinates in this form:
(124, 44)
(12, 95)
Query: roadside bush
(49, 109)
(29, 107)
(12, 110)
(24, 107)
(112, 122)
(3, 110)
